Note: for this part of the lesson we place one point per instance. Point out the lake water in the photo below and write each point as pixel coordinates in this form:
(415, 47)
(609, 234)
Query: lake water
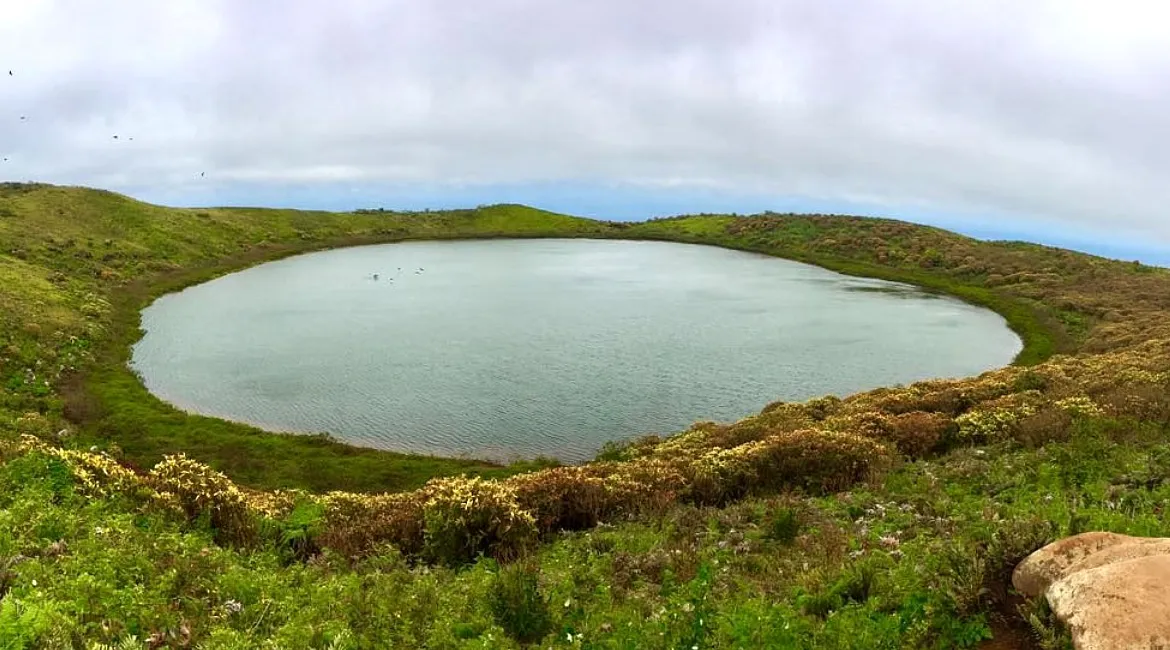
(516, 348)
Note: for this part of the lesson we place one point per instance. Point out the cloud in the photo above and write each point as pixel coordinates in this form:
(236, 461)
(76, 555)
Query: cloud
(1052, 112)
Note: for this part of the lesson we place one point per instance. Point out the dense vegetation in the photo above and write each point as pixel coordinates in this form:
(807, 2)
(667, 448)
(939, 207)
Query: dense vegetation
(886, 519)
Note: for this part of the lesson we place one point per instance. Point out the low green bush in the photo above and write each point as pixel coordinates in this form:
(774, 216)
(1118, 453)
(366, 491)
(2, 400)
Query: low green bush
(517, 604)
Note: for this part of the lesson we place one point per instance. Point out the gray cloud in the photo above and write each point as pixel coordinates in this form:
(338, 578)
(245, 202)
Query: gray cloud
(1054, 110)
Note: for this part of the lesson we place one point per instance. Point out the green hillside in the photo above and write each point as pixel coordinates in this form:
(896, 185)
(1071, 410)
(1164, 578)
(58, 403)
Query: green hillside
(84, 262)
(886, 519)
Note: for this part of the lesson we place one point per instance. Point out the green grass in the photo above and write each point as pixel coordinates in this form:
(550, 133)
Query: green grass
(920, 556)
(921, 560)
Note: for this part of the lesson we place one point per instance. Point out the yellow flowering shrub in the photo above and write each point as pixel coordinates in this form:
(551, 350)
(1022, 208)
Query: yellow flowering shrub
(97, 474)
(685, 443)
(721, 475)
(1080, 405)
(790, 417)
(643, 485)
(991, 425)
(203, 492)
(101, 475)
(276, 503)
(1140, 376)
(466, 517)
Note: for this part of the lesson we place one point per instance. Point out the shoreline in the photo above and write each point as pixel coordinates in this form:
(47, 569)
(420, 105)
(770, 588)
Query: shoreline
(84, 392)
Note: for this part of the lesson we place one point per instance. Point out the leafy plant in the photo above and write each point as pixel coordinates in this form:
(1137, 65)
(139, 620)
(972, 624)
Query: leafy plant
(517, 604)
(783, 525)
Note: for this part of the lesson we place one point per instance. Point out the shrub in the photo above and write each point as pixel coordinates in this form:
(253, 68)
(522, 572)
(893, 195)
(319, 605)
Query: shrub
(646, 485)
(464, 518)
(823, 461)
(940, 399)
(1149, 402)
(102, 476)
(822, 407)
(1049, 632)
(628, 568)
(991, 425)
(203, 493)
(783, 526)
(719, 476)
(517, 604)
(1030, 380)
(34, 424)
(33, 468)
(1013, 541)
(564, 498)
(918, 433)
(299, 530)
(355, 524)
(871, 424)
(1079, 406)
(1044, 426)
(856, 584)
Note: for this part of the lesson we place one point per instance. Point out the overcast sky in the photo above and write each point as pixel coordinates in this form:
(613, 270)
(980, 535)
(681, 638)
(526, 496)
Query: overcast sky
(1042, 119)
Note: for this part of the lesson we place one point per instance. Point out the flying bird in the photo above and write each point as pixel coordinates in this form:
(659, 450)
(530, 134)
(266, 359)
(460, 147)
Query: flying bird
(115, 137)
(201, 174)
(9, 73)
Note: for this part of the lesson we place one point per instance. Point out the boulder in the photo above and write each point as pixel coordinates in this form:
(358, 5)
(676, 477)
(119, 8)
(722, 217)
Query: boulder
(1111, 591)
(1120, 606)
(1049, 564)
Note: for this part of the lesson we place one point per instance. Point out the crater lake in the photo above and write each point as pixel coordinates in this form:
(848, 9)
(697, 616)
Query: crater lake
(504, 349)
